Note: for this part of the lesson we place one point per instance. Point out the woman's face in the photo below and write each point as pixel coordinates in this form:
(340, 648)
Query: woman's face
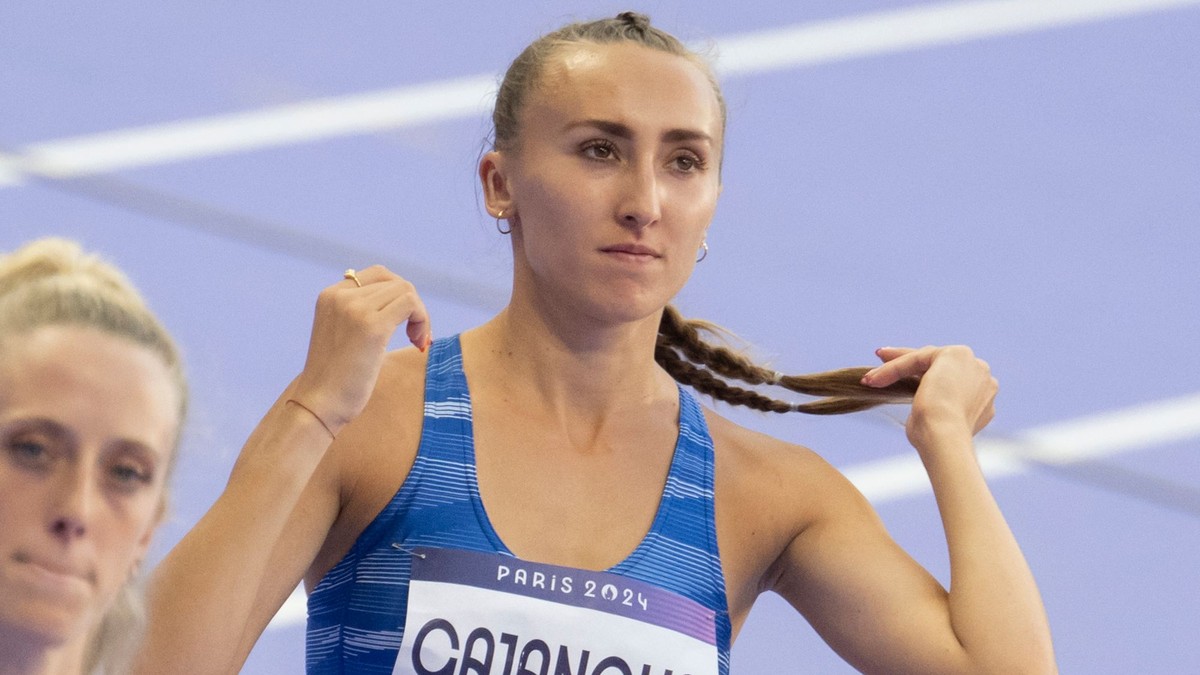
(87, 426)
(613, 178)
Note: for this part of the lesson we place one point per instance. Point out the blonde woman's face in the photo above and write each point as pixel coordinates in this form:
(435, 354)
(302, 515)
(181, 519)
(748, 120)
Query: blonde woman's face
(87, 424)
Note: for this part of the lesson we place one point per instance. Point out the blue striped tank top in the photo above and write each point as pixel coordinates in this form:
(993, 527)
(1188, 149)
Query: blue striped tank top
(356, 614)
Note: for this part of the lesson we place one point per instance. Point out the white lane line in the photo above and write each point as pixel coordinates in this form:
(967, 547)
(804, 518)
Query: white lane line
(917, 27)
(240, 132)
(9, 174)
(1076, 440)
(877, 33)
(294, 611)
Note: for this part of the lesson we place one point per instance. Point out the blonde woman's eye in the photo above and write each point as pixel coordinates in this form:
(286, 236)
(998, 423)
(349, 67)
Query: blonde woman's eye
(28, 453)
(130, 476)
(29, 448)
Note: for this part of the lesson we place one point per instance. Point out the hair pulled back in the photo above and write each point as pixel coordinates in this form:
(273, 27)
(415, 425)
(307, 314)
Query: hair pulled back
(523, 74)
(53, 282)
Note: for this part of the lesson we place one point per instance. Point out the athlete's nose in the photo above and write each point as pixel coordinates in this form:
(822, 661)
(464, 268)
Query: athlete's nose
(641, 202)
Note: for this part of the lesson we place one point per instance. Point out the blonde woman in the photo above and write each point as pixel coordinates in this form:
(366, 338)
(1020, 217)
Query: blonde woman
(92, 400)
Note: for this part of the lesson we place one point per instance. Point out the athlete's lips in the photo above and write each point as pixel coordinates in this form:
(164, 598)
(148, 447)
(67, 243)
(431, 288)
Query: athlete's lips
(632, 249)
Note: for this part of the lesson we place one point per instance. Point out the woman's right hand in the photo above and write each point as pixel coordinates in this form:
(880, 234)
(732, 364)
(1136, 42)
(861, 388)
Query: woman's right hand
(352, 326)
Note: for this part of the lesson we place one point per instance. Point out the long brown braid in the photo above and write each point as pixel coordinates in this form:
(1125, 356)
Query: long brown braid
(708, 368)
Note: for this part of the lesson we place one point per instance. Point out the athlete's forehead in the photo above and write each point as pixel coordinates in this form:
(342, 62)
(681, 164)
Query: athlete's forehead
(626, 88)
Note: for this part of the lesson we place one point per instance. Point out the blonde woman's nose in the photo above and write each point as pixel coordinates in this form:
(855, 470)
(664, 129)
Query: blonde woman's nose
(73, 501)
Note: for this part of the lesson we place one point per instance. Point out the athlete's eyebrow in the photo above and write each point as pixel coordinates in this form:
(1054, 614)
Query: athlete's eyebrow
(621, 130)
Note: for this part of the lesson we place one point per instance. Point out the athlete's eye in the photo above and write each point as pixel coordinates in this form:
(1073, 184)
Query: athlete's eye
(688, 162)
(599, 149)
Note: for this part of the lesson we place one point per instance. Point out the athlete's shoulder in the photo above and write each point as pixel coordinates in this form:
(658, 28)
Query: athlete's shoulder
(758, 471)
(767, 491)
(403, 365)
(756, 451)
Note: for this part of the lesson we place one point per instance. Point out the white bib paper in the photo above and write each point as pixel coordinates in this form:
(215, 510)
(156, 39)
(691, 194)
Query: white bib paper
(487, 614)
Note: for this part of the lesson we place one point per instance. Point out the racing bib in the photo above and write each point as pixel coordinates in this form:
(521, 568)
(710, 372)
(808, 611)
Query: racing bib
(488, 614)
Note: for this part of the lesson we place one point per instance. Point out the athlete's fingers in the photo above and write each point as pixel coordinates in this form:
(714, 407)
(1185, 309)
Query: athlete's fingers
(899, 363)
(406, 305)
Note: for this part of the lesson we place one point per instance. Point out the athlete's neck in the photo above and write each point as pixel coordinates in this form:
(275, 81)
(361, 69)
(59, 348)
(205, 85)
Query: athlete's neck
(568, 365)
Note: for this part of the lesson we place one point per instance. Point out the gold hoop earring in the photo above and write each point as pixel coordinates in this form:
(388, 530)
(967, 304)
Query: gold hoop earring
(703, 250)
(500, 229)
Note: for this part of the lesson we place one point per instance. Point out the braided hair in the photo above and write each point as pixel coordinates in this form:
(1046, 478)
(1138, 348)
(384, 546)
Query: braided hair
(709, 369)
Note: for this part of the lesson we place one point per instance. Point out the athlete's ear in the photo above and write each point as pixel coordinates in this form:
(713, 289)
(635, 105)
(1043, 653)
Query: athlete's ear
(496, 195)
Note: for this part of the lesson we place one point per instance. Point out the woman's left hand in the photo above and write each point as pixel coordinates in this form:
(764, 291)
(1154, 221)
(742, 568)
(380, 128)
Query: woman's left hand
(957, 389)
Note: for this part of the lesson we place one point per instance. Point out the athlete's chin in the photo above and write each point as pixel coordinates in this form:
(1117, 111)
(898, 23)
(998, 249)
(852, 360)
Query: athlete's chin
(617, 308)
(608, 299)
